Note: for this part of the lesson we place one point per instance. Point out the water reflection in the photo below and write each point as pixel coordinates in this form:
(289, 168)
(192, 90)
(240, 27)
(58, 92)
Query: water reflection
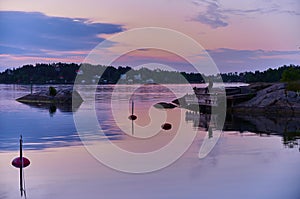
(53, 107)
(40, 143)
(64, 170)
(286, 127)
(292, 140)
(40, 131)
(3, 195)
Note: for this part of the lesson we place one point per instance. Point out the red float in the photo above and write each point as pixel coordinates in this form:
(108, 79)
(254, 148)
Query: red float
(166, 126)
(132, 117)
(18, 163)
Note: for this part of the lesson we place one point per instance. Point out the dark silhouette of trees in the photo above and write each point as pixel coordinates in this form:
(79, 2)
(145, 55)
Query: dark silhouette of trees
(270, 75)
(63, 73)
(291, 74)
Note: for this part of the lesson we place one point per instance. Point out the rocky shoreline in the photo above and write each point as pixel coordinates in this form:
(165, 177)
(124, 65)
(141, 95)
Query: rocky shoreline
(273, 99)
(254, 99)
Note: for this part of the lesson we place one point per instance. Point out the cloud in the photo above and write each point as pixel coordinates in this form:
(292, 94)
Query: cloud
(290, 12)
(274, 9)
(31, 32)
(212, 16)
(244, 12)
(232, 60)
(216, 15)
(154, 57)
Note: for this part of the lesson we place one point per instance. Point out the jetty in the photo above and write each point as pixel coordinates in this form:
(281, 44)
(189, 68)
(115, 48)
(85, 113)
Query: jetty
(204, 99)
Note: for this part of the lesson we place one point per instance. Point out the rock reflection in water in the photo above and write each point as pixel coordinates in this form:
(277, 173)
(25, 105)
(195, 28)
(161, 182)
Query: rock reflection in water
(54, 107)
(286, 127)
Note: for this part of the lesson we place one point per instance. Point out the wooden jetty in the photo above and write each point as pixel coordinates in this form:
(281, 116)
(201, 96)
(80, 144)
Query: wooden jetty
(203, 101)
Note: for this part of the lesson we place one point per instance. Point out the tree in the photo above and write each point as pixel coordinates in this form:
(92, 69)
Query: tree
(291, 74)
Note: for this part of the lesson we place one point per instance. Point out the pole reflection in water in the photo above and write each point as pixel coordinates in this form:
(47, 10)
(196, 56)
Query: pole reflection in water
(132, 127)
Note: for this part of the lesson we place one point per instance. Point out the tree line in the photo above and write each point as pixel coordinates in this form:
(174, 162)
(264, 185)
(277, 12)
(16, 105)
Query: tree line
(65, 73)
(284, 73)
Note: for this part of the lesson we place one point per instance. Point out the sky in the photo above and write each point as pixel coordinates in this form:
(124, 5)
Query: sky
(239, 36)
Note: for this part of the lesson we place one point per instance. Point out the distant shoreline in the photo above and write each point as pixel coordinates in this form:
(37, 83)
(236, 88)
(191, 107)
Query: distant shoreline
(63, 73)
(72, 84)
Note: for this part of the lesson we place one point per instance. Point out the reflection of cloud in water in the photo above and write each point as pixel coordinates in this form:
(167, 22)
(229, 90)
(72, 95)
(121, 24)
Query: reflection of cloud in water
(40, 131)
(3, 196)
(40, 143)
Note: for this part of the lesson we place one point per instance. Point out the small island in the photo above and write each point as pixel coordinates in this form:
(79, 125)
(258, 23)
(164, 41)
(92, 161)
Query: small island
(65, 96)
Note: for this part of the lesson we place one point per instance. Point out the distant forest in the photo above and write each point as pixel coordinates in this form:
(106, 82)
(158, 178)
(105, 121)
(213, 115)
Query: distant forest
(65, 73)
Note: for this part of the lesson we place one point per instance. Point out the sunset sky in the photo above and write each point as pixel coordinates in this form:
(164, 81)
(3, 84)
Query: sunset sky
(238, 35)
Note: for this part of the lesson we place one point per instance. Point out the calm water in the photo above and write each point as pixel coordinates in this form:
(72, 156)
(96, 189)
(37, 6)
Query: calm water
(256, 157)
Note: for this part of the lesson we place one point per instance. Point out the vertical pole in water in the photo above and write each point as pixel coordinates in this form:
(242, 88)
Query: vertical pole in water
(132, 107)
(21, 168)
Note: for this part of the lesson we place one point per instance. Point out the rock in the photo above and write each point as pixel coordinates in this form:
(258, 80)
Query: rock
(270, 89)
(164, 105)
(180, 102)
(63, 96)
(255, 87)
(291, 94)
(273, 98)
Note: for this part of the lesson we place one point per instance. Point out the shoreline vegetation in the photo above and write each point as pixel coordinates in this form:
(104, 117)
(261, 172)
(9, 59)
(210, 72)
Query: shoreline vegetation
(65, 73)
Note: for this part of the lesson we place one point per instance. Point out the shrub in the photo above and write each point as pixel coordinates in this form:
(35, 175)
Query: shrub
(293, 86)
(291, 74)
